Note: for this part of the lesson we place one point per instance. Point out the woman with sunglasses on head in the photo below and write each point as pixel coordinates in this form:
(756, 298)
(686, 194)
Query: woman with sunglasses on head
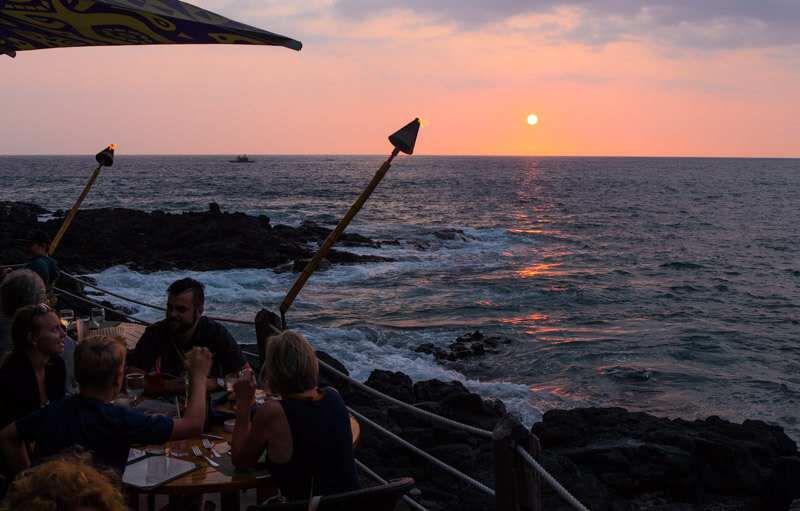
(32, 374)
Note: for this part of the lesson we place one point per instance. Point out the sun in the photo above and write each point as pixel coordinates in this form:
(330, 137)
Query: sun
(532, 119)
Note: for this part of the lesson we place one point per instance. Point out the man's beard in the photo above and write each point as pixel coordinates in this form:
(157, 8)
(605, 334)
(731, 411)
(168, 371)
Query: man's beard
(177, 326)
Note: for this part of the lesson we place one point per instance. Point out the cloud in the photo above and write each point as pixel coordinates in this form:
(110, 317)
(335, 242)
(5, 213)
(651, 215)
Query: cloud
(707, 24)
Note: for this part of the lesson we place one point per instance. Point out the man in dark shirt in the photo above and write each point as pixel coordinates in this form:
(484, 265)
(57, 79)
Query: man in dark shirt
(164, 345)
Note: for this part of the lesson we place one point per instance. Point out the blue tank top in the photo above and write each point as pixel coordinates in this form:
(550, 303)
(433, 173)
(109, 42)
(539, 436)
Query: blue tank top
(322, 448)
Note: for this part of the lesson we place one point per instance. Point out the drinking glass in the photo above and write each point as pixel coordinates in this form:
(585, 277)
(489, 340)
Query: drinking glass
(67, 316)
(82, 327)
(98, 316)
(134, 384)
(179, 447)
(231, 379)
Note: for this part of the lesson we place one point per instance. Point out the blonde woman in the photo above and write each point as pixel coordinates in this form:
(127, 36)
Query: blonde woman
(306, 433)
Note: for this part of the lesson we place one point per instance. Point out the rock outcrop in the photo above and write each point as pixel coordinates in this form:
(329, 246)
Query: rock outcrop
(608, 458)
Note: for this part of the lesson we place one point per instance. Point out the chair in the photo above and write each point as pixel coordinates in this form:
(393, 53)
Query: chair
(265, 320)
(375, 498)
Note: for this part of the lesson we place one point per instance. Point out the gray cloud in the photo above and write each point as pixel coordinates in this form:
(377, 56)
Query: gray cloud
(706, 24)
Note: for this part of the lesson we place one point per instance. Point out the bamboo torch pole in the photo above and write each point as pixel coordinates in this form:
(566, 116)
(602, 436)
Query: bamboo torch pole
(403, 140)
(105, 158)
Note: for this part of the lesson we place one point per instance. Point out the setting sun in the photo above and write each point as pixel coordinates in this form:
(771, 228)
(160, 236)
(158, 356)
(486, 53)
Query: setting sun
(532, 119)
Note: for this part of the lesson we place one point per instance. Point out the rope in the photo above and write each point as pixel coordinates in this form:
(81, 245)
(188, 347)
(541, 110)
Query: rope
(408, 500)
(436, 418)
(550, 479)
(81, 298)
(137, 302)
(428, 457)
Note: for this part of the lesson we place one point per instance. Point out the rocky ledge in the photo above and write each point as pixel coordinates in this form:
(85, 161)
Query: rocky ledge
(150, 241)
(608, 458)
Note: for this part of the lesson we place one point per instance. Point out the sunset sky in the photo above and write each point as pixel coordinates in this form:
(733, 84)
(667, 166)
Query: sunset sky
(605, 78)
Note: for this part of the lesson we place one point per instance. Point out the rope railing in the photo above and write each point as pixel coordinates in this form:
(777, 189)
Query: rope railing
(436, 418)
(444, 466)
(408, 500)
(137, 302)
(550, 479)
(97, 304)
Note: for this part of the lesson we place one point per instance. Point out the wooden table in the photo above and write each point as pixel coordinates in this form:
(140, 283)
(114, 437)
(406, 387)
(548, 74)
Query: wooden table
(207, 479)
(210, 480)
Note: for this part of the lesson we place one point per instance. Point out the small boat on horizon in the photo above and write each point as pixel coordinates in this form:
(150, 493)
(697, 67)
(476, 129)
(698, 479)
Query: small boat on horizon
(242, 159)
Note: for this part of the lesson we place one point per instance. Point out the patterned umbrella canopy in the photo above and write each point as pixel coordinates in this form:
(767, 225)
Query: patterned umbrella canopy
(34, 24)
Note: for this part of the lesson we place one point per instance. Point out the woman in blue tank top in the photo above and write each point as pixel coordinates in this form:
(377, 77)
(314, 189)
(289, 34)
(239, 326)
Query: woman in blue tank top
(306, 432)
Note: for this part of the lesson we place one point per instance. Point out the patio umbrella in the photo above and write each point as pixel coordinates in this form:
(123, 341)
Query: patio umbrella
(35, 24)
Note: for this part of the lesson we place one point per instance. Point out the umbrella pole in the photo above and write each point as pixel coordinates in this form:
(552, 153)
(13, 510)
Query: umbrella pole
(74, 210)
(333, 237)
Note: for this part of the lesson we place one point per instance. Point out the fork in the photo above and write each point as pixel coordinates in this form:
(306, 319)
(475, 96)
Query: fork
(196, 451)
(207, 445)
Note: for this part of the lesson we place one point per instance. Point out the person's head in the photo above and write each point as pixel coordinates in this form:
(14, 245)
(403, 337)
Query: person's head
(185, 304)
(99, 362)
(37, 328)
(35, 243)
(19, 288)
(290, 364)
(66, 483)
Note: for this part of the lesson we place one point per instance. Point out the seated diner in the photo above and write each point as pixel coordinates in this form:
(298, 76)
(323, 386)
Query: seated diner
(33, 369)
(306, 433)
(90, 420)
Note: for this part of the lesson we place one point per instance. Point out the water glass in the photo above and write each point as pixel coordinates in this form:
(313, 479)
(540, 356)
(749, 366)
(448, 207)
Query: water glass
(82, 326)
(179, 447)
(134, 384)
(231, 379)
(98, 316)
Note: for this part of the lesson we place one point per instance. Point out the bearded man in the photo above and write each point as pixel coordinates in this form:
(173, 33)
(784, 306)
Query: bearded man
(165, 345)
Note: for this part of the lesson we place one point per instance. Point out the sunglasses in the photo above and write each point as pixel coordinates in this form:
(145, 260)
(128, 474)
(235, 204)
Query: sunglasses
(42, 308)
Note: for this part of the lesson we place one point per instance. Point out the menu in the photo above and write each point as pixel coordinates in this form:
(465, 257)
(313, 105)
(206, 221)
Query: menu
(153, 471)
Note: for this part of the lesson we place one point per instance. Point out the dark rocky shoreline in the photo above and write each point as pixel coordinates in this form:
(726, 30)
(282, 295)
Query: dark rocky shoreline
(608, 458)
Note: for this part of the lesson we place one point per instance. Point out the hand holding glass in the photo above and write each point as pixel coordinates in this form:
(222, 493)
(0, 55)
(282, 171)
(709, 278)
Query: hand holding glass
(134, 384)
(231, 379)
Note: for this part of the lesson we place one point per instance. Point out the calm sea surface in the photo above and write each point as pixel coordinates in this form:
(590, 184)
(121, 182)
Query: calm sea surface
(666, 285)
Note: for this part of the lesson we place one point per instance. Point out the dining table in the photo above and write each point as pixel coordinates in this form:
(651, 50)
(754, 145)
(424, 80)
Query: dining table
(225, 479)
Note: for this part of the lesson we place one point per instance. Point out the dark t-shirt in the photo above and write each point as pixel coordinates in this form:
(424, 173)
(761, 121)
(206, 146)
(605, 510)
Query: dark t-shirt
(157, 342)
(19, 389)
(322, 448)
(46, 267)
(103, 428)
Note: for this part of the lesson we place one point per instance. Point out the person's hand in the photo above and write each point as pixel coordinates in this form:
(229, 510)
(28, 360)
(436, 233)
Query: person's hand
(199, 362)
(175, 385)
(245, 388)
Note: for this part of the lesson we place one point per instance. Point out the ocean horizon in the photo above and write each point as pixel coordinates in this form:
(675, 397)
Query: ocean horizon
(659, 284)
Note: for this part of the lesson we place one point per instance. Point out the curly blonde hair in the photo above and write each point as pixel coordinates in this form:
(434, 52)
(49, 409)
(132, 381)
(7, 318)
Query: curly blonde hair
(67, 483)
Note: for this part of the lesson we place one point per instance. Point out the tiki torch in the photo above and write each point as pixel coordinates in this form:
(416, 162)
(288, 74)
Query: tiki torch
(402, 140)
(105, 158)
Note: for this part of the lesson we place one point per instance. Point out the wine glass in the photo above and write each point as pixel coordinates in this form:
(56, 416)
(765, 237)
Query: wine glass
(67, 316)
(98, 316)
(134, 384)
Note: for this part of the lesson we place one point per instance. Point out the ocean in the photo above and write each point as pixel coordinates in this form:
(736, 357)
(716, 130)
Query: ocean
(664, 285)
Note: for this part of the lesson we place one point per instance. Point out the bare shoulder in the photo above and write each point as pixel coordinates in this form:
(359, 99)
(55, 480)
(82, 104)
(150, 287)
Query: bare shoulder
(269, 410)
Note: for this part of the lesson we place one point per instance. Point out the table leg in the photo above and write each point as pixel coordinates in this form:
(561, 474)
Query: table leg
(229, 501)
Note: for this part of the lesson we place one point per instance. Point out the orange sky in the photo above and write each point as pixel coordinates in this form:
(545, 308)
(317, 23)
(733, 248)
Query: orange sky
(625, 78)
